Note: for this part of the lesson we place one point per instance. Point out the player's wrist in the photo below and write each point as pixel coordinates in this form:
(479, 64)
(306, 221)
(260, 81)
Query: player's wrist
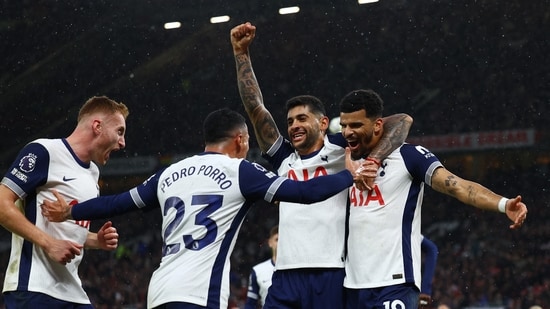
(502, 205)
(237, 51)
(68, 212)
(371, 159)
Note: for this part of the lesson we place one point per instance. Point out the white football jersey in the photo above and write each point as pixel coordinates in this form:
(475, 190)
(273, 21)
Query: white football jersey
(260, 280)
(43, 165)
(204, 200)
(384, 224)
(311, 236)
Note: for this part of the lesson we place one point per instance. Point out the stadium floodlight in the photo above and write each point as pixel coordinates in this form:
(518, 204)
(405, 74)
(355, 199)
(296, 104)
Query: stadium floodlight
(366, 1)
(289, 10)
(172, 25)
(219, 19)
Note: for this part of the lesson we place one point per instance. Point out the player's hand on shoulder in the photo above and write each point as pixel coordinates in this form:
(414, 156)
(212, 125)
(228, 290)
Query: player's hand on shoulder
(363, 173)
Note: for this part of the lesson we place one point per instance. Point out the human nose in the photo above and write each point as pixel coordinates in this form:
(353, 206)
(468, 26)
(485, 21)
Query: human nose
(121, 142)
(292, 124)
(346, 131)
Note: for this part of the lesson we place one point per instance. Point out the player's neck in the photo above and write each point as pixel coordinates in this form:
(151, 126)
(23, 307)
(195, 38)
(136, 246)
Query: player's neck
(80, 146)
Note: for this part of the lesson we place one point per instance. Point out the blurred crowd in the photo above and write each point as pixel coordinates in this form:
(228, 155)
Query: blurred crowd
(466, 66)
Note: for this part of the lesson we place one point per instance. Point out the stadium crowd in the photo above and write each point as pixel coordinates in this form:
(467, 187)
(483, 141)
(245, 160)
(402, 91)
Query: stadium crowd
(431, 59)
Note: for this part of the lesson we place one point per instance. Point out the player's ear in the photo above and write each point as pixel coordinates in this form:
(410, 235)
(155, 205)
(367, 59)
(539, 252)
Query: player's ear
(378, 125)
(323, 123)
(96, 126)
(237, 141)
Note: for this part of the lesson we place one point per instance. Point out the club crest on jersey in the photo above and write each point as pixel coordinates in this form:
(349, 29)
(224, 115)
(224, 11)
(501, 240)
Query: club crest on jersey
(28, 163)
(383, 172)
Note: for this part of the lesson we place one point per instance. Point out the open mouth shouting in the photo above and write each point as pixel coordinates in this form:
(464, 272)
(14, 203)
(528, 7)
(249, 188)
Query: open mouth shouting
(353, 145)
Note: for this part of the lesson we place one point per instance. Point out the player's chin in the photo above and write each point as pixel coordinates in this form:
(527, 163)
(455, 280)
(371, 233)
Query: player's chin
(106, 158)
(297, 142)
(356, 154)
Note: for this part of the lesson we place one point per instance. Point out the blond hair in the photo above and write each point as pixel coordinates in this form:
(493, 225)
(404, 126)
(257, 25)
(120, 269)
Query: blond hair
(102, 104)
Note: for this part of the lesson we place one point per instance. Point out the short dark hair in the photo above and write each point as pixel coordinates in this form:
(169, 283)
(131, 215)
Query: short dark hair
(221, 124)
(360, 99)
(315, 105)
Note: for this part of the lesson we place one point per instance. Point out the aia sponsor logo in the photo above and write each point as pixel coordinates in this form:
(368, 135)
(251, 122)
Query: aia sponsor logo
(305, 175)
(363, 198)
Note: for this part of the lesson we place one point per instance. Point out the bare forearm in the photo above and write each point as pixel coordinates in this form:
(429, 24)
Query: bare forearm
(468, 192)
(249, 90)
(474, 194)
(396, 130)
(264, 125)
(91, 241)
(14, 221)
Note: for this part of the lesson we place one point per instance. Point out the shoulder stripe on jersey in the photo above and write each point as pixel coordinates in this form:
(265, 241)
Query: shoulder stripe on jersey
(136, 198)
(14, 187)
(270, 193)
(430, 172)
(271, 151)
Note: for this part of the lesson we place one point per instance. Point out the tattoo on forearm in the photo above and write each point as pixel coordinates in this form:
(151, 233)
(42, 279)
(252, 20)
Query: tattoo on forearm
(450, 181)
(248, 85)
(394, 135)
(267, 130)
(449, 185)
(472, 193)
(264, 126)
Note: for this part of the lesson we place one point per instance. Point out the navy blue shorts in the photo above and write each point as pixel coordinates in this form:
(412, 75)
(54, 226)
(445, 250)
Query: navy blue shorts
(400, 296)
(179, 305)
(319, 288)
(34, 300)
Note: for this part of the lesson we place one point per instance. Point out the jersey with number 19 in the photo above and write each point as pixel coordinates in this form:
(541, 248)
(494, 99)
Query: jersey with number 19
(384, 232)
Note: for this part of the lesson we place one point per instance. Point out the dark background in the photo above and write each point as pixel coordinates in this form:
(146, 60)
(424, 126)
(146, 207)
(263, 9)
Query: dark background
(455, 66)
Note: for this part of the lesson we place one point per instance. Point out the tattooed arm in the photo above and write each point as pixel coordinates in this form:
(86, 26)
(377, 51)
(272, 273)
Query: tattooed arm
(396, 130)
(264, 125)
(474, 194)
